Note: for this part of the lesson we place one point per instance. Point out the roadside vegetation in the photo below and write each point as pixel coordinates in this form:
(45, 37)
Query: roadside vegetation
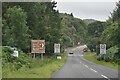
(93, 57)
(105, 33)
(26, 67)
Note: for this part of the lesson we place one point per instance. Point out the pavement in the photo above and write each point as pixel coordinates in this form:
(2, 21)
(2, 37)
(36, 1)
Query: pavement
(78, 67)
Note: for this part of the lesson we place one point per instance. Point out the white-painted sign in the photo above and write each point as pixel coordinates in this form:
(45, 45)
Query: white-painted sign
(102, 48)
(56, 48)
(15, 53)
(59, 57)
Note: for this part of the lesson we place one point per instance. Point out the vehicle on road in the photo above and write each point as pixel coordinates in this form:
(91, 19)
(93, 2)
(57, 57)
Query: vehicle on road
(71, 53)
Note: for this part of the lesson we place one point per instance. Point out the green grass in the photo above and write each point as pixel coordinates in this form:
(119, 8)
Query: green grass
(42, 69)
(0, 62)
(91, 57)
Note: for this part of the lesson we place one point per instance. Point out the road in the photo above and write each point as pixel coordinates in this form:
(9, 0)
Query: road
(78, 67)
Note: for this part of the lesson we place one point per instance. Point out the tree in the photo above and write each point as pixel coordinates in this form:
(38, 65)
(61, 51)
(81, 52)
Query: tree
(116, 13)
(96, 28)
(94, 31)
(116, 23)
(53, 31)
(110, 35)
(15, 30)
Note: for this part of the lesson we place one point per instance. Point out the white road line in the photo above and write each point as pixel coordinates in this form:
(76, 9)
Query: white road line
(86, 66)
(93, 70)
(105, 77)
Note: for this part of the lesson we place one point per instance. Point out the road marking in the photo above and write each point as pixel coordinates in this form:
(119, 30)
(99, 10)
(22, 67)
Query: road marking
(93, 70)
(105, 77)
(86, 66)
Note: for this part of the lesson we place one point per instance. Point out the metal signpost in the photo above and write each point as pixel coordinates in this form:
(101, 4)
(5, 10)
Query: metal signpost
(38, 46)
(56, 48)
(102, 48)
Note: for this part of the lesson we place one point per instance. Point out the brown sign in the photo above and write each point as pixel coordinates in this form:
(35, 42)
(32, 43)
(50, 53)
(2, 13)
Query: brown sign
(38, 46)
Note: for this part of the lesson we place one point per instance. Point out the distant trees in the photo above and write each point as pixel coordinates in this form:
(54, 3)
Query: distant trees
(73, 29)
(94, 31)
(96, 28)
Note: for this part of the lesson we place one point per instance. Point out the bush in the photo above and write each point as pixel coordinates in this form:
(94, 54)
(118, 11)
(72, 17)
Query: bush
(106, 58)
(111, 55)
(6, 54)
(23, 59)
(18, 65)
(100, 57)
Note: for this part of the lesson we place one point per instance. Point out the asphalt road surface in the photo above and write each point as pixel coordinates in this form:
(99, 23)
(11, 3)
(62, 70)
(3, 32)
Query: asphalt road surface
(78, 67)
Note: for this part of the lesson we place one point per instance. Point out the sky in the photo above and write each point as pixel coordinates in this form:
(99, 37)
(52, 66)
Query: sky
(99, 10)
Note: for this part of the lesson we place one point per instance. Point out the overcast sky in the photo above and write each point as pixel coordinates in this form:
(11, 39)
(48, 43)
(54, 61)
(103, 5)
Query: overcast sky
(87, 10)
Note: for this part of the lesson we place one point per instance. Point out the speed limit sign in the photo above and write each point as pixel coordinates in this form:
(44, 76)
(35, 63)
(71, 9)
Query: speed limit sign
(102, 48)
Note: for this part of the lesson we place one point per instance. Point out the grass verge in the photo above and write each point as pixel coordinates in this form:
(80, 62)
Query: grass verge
(91, 57)
(42, 69)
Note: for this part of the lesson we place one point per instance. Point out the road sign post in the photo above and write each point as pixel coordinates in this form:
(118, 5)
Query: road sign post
(56, 48)
(38, 46)
(102, 48)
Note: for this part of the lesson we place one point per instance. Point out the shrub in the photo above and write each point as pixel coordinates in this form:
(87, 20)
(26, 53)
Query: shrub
(111, 55)
(23, 59)
(6, 54)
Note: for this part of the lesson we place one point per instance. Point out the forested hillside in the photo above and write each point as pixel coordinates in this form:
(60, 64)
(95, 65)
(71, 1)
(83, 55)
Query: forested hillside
(88, 21)
(73, 30)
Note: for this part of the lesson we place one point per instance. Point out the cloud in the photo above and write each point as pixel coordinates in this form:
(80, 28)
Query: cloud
(95, 10)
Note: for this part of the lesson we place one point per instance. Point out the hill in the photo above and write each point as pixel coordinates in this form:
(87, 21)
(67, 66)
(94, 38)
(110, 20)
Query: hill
(73, 29)
(88, 21)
